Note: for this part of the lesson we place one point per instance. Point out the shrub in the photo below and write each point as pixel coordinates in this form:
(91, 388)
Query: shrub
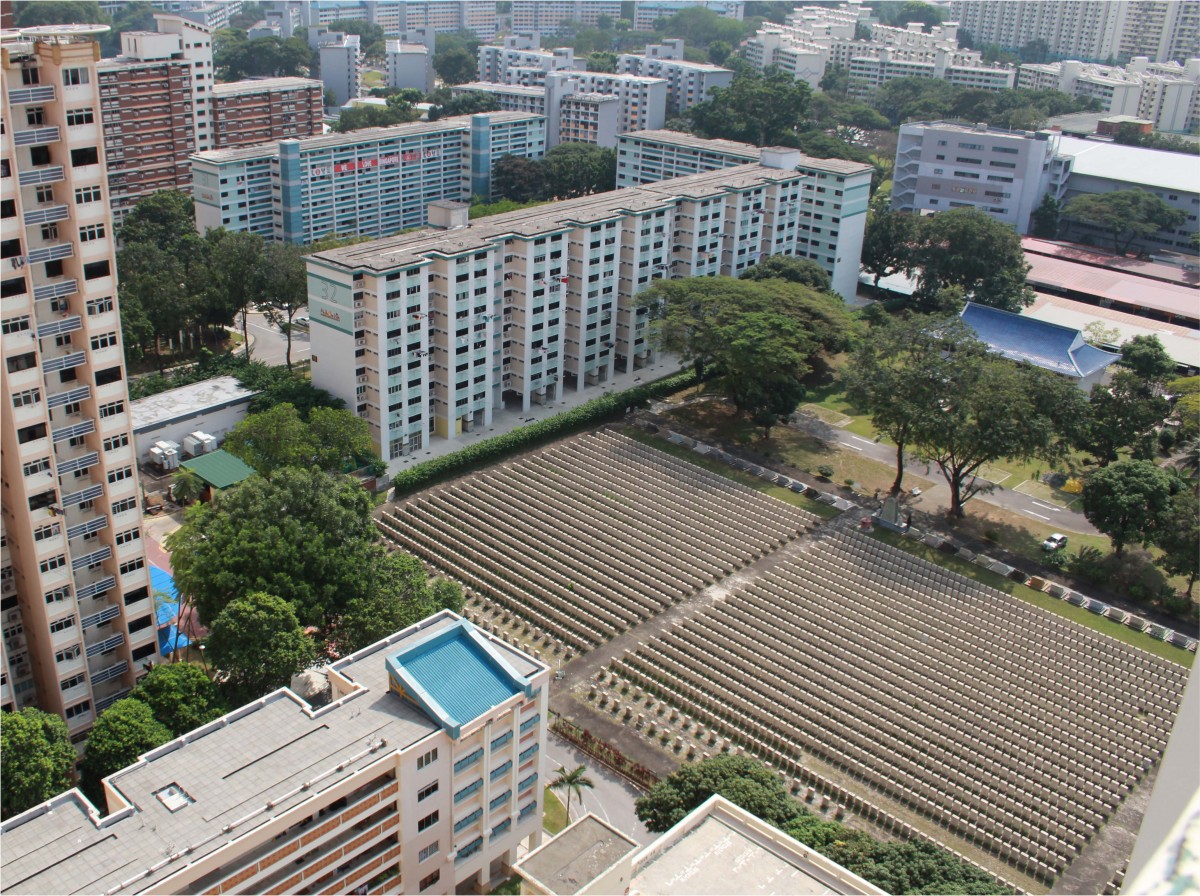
(825, 471)
(598, 410)
(1166, 440)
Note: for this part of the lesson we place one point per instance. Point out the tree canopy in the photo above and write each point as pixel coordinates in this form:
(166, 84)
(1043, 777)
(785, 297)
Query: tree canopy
(762, 109)
(122, 733)
(965, 247)
(336, 441)
(578, 169)
(38, 759)
(1178, 536)
(180, 696)
(257, 645)
(1129, 501)
(804, 271)
(1120, 412)
(888, 241)
(363, 116)
(1125, 215)
(236, 58)
(518, 178)
(740, 779)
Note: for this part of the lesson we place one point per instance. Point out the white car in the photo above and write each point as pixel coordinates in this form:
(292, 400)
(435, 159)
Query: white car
(1055, 542)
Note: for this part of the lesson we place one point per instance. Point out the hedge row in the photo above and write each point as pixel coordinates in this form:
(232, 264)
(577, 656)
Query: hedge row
(598, 410)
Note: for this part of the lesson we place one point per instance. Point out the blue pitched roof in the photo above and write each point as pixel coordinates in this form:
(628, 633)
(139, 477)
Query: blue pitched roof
(1049, 346)
(455, 675)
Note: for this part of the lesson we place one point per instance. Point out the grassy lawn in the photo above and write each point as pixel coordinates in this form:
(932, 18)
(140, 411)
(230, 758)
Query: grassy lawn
(794, 448)
(722, 469)
(511, 887)
(555, 818)
(372, 78)
(1045, 601)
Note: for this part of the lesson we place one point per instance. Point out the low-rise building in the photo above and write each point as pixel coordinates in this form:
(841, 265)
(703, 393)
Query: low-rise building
(419, 776)
(214, 406)
(426, 334)
(410, 61)
(833, 201)
(718, 847)
(688, 83)
(370, 182)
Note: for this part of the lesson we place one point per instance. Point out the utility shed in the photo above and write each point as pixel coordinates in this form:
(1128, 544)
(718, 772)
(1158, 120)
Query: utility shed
(214, 406)
(219, 469)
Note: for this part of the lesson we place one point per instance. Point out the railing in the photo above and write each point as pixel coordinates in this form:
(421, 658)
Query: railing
(87, 494)
(106, 702)
(46, 215)
(469, 850)
(55, 290)
(79, 463)
(502, 828)
(468, 820)
(36, 136)
(468, 760)
(24, 95)
(116, 670)
(50, 253)
(49, 365)
(97, 556)
(500, 770)
(86, 591)
(529, 751)
(58, 327)
(526, 811)
(47, 174)
(107, 644)
(87, 528)
(70, 432)
(498, 801)
(69, 397)
(527, 782)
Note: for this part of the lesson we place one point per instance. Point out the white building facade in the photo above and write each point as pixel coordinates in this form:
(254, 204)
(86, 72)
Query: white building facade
(688, 83)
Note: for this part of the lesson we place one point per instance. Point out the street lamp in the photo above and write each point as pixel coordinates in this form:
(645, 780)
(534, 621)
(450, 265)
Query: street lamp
(203, 658)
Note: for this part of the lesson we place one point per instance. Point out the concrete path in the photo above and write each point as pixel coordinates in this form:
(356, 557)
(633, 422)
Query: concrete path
(612, 798)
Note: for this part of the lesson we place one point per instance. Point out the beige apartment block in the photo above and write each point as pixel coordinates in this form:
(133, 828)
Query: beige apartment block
(78, 617)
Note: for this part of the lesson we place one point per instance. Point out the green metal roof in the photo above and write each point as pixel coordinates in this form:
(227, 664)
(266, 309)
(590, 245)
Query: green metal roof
(220, 469)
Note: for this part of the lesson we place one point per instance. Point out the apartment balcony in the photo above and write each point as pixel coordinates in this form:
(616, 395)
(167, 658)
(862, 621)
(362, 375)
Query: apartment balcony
(105, 702)
(80, 461)
(56, 289)
(74, 694)
(70, 667)
(73, 431)
(107, 644)
(52, 252)
(68, 323)
(70, 396)
(91, 558)
(89, 585)
(87, 527)
(36, 136)
(116, 670)
(23, 96)
(45, 174)
(47, 215)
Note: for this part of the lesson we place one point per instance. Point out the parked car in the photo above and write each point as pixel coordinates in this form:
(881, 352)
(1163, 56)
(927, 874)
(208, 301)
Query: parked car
(1055, 542)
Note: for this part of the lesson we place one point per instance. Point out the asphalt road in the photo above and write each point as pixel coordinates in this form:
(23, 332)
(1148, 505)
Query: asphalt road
(269, 346)
(612, 797)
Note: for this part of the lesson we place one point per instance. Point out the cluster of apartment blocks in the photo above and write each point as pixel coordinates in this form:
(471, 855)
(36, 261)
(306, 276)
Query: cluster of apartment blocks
(1163, 30)
(1167, 94)
(159, 104)
(78, 616)
(370, 182)
(815, 38)
(944, 164)
(420, 775)
(428, 333)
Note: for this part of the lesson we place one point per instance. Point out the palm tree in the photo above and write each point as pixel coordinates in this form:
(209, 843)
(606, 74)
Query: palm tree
(573, 782)
(1189, 463)
(187, 486)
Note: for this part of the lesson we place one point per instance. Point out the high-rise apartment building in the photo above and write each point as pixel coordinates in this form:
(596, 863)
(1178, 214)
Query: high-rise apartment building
(688, 83)
(397, 16)
(520, 60)
(548, 16)
(370, 182)
(647, 12)
(427, 333)
(78, 616)
(341, 65)
(832, 200)
(1163, 30)
(421, 775)
(257, 110)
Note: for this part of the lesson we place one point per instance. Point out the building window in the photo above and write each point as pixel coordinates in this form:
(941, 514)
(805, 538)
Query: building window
(15, 325)
(44, 532)
(104, 340)
(26, 399)
(429, 880)
(427, 852)
(124, 505)
(427, 759)
(111, 409)
(425, 792)
(132, 566)
(84, 195)
(85, 155)
(128, 536)
(41, 465)
(61, 625)
(427, 822)
(115, 442)
(73, 77)
(117, 475)
(78, 709)
(91, 232)
(80, 116)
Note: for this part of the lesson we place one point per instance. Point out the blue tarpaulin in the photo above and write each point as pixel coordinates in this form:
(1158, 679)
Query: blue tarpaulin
(166, 611)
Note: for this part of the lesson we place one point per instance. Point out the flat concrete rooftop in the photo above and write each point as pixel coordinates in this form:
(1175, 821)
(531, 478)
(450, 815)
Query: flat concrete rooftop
(577, 856)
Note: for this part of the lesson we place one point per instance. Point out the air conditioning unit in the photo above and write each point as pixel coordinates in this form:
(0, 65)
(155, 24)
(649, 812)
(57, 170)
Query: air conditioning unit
(197, 443)
(164, 458)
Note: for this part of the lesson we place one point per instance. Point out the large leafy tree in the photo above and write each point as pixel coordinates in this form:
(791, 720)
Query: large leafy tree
(1125, 215)
(964, 247)
(739, 779)
(577, 169)
(996, 409)
(1129, 501)
(454, 65)
(403, 595)
(38, 759)
(1179, 535)
(888, 242)
(902, 375)
(1119, 413)
(518, 178)
(282, 285)
(1043, 222)
(180, 696)
(1148, 359)
(257, 644)
(468, 103)
(765, 360)
(235, 258)
(332, 440)
(122, 733)
(303, 535)
(763, 109)
(236, 58)
(804, 271)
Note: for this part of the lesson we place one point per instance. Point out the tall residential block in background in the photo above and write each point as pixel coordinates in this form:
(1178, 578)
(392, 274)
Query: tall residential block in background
(370, 182)
(833, 197)
(78, 616)
(420, 775)
(428, 333)
(261, 109)
(688, 83)
(548, 16)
